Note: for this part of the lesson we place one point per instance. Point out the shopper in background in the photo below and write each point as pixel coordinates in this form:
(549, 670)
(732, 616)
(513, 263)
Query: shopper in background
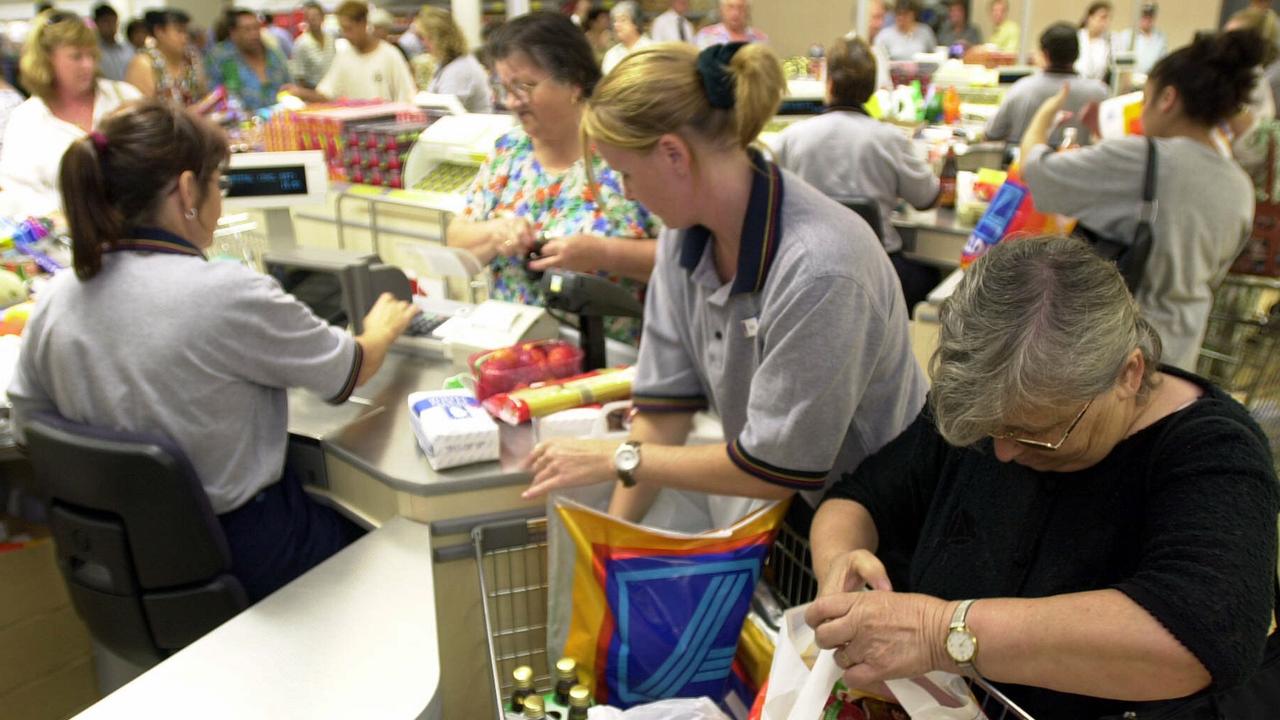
(875, 22)
(137, 34)
(957, 30)
(283, 38)
(313, 50)
(171, 67)
(598, 32)
(769, 304)
(1095, 42)
(1098, 509)
(1261, 105)
(1205, 200)
(534, 190)
(845, 153)
(1147, 42)
(251, 72)
(1006, 37)
(457, 71)
(579, 11)
(10, 99)
(628, 28)
(1060, 45)
(114, 56)
(59, 67)
(366, 68)
(906, 37)
(200, 352)
(734, 26)
(672, 25)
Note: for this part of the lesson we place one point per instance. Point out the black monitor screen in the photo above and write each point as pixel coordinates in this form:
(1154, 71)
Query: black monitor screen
(320, 291)
(257, 182)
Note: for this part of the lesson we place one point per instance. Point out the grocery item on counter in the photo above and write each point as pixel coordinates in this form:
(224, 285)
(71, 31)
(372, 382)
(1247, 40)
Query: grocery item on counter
(597, 386)
(452, 428)
(519, 366)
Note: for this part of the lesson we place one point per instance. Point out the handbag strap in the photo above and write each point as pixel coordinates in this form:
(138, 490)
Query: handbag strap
(1149, 204)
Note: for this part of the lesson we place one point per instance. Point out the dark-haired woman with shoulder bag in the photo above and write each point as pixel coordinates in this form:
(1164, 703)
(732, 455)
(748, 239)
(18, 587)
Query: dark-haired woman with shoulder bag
(1203, 209)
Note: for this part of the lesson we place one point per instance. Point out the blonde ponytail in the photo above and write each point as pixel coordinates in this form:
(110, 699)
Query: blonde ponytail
(758, 88)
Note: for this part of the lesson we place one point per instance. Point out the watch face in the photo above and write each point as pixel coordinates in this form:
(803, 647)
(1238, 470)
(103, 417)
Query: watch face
(961, 646)
(627, 458)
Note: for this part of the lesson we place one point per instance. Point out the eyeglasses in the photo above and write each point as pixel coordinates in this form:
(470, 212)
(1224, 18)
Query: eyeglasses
(521, 91)
(1042, 445)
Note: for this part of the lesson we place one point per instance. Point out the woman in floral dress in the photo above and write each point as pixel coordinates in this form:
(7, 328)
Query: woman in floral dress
(535, 190)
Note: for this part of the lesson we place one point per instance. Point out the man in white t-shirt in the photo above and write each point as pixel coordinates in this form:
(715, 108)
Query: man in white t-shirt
(366, 68)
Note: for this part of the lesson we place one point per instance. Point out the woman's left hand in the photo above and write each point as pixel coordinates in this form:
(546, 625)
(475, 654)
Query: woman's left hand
(580, 253)
(881, 635)
(565, 463)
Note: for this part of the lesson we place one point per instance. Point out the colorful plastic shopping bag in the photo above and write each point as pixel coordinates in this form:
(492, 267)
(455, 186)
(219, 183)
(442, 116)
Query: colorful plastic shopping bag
(802, 680)
(655, 614)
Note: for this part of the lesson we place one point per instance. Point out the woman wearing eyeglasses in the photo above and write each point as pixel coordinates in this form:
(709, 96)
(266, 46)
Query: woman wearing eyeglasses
(1114, 518)
(147, 336)
(534, 191)
(59, 67)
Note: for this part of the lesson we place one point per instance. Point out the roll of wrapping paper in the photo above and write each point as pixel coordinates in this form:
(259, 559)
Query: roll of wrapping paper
(598, 386)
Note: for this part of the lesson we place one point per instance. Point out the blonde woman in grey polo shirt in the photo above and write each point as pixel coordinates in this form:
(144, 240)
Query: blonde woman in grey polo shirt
(769, 303)
(146, 336)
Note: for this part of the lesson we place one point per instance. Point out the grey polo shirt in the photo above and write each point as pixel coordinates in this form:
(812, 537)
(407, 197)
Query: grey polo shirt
(845, 153)
(1028, 94)
(163, 342)
(903, 46)
(804, 354)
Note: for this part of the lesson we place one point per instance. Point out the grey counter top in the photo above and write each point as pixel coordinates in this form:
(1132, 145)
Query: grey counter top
(372, 431)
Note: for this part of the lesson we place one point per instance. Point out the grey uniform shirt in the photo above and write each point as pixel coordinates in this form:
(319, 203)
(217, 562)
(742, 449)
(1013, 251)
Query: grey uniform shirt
(200, 352)
(466, 78)
(1205, 213)
(804, 354)
(901, 46)
(1028, 94)
(846, 153)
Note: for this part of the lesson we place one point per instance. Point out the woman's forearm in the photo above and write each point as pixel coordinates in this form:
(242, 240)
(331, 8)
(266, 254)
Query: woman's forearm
(478, 237)
(840, 527)
(630, 258)
(1099, 643)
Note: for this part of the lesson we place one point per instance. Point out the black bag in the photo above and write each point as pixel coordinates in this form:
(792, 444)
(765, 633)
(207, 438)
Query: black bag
(1131, 258)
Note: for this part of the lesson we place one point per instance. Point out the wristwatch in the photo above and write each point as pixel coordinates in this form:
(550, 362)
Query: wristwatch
(961, 644)
(625, 461)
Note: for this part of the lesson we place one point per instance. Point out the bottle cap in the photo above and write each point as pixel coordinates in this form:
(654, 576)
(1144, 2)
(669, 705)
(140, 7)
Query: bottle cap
(533, 707)
(523, 675)
(566, 667)
(579, 696)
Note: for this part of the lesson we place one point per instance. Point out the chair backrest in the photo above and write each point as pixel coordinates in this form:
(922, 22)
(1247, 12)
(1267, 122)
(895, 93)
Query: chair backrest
(869, 210)
(144, 557)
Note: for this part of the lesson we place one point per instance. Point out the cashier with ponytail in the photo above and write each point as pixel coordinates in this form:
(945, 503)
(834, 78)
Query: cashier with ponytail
(767, 303)
(147, 336)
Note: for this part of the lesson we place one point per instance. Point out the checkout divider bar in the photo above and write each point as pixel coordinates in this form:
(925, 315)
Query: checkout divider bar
(465, 525)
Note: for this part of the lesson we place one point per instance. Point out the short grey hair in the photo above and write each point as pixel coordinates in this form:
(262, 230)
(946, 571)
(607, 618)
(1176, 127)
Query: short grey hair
(1035, 324)
(630, 10)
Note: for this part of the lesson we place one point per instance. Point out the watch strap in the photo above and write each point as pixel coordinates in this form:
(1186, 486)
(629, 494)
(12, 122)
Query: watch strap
(961, 613)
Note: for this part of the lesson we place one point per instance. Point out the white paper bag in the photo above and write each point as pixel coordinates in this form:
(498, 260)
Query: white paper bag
(797, 692)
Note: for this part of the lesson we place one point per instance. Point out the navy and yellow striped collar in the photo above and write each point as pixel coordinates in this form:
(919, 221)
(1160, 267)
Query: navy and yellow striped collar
(761, 231)
(150, 239)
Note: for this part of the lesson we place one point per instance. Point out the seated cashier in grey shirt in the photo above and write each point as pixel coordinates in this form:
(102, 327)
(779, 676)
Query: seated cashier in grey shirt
(769, 302)
(907, 36)
(148, 336)
(846, 153)
(1205, 201)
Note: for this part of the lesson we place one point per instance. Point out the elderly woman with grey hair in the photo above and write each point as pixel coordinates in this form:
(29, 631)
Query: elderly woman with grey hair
(628, 28)
(1091, 530)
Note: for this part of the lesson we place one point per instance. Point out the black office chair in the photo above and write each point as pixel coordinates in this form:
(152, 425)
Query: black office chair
(868, 209)
(143, 555)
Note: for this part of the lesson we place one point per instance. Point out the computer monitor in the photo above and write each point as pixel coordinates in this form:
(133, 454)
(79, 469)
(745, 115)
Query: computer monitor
(270, 180)
(340, 286)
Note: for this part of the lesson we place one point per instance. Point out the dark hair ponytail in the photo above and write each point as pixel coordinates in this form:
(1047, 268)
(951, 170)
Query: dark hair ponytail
(1214, 75)
(116, 178)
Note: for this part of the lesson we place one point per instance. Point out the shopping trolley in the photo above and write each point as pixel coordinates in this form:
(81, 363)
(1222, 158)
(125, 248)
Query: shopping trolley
(1241, 350)
(512, 560)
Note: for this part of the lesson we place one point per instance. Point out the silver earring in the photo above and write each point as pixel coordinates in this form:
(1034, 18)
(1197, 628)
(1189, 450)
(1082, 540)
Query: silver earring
(191, 214)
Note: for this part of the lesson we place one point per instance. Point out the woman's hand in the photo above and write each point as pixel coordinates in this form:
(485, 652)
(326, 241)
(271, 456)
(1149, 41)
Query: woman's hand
(580, 253)
(850, 572)
(565, 463)
(511, 236)
(881, 635)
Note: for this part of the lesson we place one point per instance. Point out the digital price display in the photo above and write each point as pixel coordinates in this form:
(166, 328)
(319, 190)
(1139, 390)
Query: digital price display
(266, 181)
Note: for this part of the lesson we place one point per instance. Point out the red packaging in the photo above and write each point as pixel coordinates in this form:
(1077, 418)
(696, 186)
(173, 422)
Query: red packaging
(511, 368)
